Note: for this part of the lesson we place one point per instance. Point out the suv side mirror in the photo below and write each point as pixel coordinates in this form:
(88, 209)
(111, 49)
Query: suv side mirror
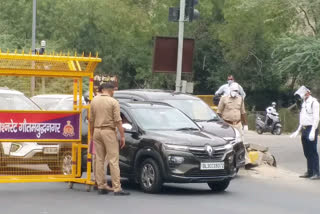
(127, 127)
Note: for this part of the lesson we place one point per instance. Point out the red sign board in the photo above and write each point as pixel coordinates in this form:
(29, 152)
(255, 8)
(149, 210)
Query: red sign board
(165, 55)
(39, 125)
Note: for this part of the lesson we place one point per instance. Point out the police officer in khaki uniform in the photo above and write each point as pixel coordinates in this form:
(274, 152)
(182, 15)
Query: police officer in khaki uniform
(231, 109)
(104, 119)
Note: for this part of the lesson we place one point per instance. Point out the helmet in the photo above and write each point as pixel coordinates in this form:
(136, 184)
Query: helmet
(302, 91)
(273, 103)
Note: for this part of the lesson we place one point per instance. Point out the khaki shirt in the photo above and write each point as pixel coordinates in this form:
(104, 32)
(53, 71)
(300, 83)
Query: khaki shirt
(231, 109)
(104, 112)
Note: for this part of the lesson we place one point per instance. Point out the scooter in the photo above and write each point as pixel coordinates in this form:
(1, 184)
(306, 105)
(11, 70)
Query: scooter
(273, 124)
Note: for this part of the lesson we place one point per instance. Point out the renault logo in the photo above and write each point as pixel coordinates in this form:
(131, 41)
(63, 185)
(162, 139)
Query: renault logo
(209, 150)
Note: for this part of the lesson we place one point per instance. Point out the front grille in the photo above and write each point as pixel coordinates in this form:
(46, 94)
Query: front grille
(205, 173)
(201, 153)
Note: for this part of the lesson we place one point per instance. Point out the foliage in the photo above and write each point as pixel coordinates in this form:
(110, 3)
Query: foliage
(297, 60)
(270, 46)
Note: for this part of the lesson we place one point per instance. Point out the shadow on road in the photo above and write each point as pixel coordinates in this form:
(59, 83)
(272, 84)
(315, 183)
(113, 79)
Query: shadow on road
(174, 189)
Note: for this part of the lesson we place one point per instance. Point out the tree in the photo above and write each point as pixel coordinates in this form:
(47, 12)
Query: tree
(297, 60)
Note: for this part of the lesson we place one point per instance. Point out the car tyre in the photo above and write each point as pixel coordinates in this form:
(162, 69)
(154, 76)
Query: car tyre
(66, 163)
(150, 178)
(219, 186)
(63, 165)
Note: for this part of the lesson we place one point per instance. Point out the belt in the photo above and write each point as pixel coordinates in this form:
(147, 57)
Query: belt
(233, 122)
(105, 128)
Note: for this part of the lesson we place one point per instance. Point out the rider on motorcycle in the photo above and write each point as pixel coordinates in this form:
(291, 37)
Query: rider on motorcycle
(271, 110)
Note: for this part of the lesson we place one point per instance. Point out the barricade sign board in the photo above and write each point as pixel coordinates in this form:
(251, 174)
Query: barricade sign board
(39, 126)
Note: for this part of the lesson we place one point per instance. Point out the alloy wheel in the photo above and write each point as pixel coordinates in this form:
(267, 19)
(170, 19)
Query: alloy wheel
(148, 175)
(67, 164)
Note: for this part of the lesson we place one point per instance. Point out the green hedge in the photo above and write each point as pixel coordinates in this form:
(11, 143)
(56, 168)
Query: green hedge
(289, 120)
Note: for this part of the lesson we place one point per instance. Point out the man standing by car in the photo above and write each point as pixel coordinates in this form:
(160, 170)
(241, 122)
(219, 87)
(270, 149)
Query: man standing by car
(309, 120)
(231, 109)
(104, 119)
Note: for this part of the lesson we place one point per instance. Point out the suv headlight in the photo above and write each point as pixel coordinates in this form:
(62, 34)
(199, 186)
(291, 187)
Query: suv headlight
(238, 136)
(228, 147)
(176, 147)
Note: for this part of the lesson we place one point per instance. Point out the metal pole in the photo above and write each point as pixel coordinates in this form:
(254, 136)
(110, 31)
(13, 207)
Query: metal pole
(43, 84)
(180, 45)
(33, 46)
(34, 20)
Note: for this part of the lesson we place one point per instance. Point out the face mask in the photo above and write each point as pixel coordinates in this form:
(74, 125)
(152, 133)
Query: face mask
(230, 82)
(233, 93)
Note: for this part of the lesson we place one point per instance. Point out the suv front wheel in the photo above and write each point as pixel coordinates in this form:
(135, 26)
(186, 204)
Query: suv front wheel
(219, 186)
(150, 178)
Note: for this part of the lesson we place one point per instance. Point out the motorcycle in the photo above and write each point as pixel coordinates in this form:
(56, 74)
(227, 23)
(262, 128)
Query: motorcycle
(273, 124)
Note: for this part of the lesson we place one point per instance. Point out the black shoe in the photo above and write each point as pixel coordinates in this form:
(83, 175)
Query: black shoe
(305, 175)
(121, 193)
(102, 191)
(315, 177)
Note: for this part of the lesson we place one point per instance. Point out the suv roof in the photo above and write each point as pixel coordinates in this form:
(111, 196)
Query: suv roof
(54, 95)
(6, 90)
(143, 104)
(155, 94)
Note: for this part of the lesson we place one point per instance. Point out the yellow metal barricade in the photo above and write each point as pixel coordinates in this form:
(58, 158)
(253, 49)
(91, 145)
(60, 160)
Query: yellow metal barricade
(209, 100)
(57, 159)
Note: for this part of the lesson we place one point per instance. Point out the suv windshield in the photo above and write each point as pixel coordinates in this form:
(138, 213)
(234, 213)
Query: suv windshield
(16, 102)
(163, 119)
(196, 109)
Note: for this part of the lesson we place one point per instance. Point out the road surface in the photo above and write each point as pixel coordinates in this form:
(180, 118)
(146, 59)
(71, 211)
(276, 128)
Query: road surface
(262, 190)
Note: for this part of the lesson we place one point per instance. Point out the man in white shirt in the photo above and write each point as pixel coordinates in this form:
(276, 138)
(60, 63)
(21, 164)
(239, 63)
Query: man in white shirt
(309, 119)
(224, 90)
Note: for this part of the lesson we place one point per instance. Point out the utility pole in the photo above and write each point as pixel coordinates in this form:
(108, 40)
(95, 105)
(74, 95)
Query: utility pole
(33, 46)
(180, 45)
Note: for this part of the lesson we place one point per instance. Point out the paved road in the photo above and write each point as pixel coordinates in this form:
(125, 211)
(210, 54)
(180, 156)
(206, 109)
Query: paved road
(254, 191)
(245, 195)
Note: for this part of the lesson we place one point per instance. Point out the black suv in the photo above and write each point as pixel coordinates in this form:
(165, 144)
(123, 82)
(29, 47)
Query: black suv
(164, 145)
(196, 109)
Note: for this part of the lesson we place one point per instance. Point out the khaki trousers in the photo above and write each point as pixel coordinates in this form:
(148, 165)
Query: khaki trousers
(107, 148)
(94, 166)
(239, 128)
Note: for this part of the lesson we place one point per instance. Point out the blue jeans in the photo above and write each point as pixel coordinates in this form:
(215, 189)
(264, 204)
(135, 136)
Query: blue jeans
(310, 150)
